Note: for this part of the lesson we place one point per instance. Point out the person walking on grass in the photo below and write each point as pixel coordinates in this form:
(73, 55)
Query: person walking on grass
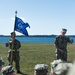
(60, 43)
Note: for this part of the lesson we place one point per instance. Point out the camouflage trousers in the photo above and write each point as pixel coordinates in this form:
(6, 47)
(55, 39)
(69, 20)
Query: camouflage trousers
(61, 55)
(14, 56)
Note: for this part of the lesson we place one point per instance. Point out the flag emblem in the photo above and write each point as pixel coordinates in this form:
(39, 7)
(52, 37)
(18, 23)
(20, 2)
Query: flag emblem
(20, 26)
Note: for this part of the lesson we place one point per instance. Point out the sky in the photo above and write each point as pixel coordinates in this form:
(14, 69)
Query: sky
(45, 17)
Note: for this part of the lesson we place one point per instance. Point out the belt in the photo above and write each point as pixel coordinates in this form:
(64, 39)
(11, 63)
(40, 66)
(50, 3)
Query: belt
(13, 50)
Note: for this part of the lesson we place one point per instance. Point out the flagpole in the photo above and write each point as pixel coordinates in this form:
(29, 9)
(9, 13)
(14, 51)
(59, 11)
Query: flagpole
(12, 40)
(15, 18)
(16, 13)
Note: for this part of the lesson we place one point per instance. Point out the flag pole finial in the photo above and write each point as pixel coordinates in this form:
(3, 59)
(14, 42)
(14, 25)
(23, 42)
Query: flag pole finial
(15, 18)
(16, 13)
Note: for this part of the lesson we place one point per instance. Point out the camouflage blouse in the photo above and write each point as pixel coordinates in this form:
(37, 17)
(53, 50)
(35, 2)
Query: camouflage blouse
(62, 41)
(15, 45)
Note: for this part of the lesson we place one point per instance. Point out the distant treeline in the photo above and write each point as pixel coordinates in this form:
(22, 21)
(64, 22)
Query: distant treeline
(36, 35)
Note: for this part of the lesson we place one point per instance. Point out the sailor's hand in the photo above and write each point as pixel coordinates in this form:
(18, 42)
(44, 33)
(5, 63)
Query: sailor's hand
(71, 41)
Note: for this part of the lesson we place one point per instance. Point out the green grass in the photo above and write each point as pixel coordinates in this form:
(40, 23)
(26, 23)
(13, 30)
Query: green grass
(32, 54)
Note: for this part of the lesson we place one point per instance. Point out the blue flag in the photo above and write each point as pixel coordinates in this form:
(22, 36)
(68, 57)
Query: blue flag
(20, 26)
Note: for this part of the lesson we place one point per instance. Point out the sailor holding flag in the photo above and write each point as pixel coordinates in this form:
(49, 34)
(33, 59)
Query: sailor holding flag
(14, 44)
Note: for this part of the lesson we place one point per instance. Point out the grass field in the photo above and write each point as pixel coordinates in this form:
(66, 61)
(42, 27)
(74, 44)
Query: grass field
(32, 54)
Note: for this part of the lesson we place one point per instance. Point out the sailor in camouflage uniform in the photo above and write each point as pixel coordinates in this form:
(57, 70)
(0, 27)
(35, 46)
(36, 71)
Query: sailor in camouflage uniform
(41, 69)
(13, 55)
(59, 67)
(1, 65)
(8, 70)
(61, 42)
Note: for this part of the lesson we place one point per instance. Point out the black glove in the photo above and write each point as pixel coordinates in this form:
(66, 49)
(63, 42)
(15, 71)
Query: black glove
(6, 44)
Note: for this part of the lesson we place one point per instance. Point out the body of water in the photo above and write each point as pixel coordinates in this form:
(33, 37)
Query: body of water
(23, 39)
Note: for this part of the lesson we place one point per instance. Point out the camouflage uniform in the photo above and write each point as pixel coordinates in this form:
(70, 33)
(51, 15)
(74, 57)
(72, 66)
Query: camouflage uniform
(8, 70)
(61, 42)
(59, 67)
(14, 50)
(1, 65)
(41, 69)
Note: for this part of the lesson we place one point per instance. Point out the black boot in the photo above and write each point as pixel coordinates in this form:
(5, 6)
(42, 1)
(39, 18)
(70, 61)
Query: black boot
(19, 72)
